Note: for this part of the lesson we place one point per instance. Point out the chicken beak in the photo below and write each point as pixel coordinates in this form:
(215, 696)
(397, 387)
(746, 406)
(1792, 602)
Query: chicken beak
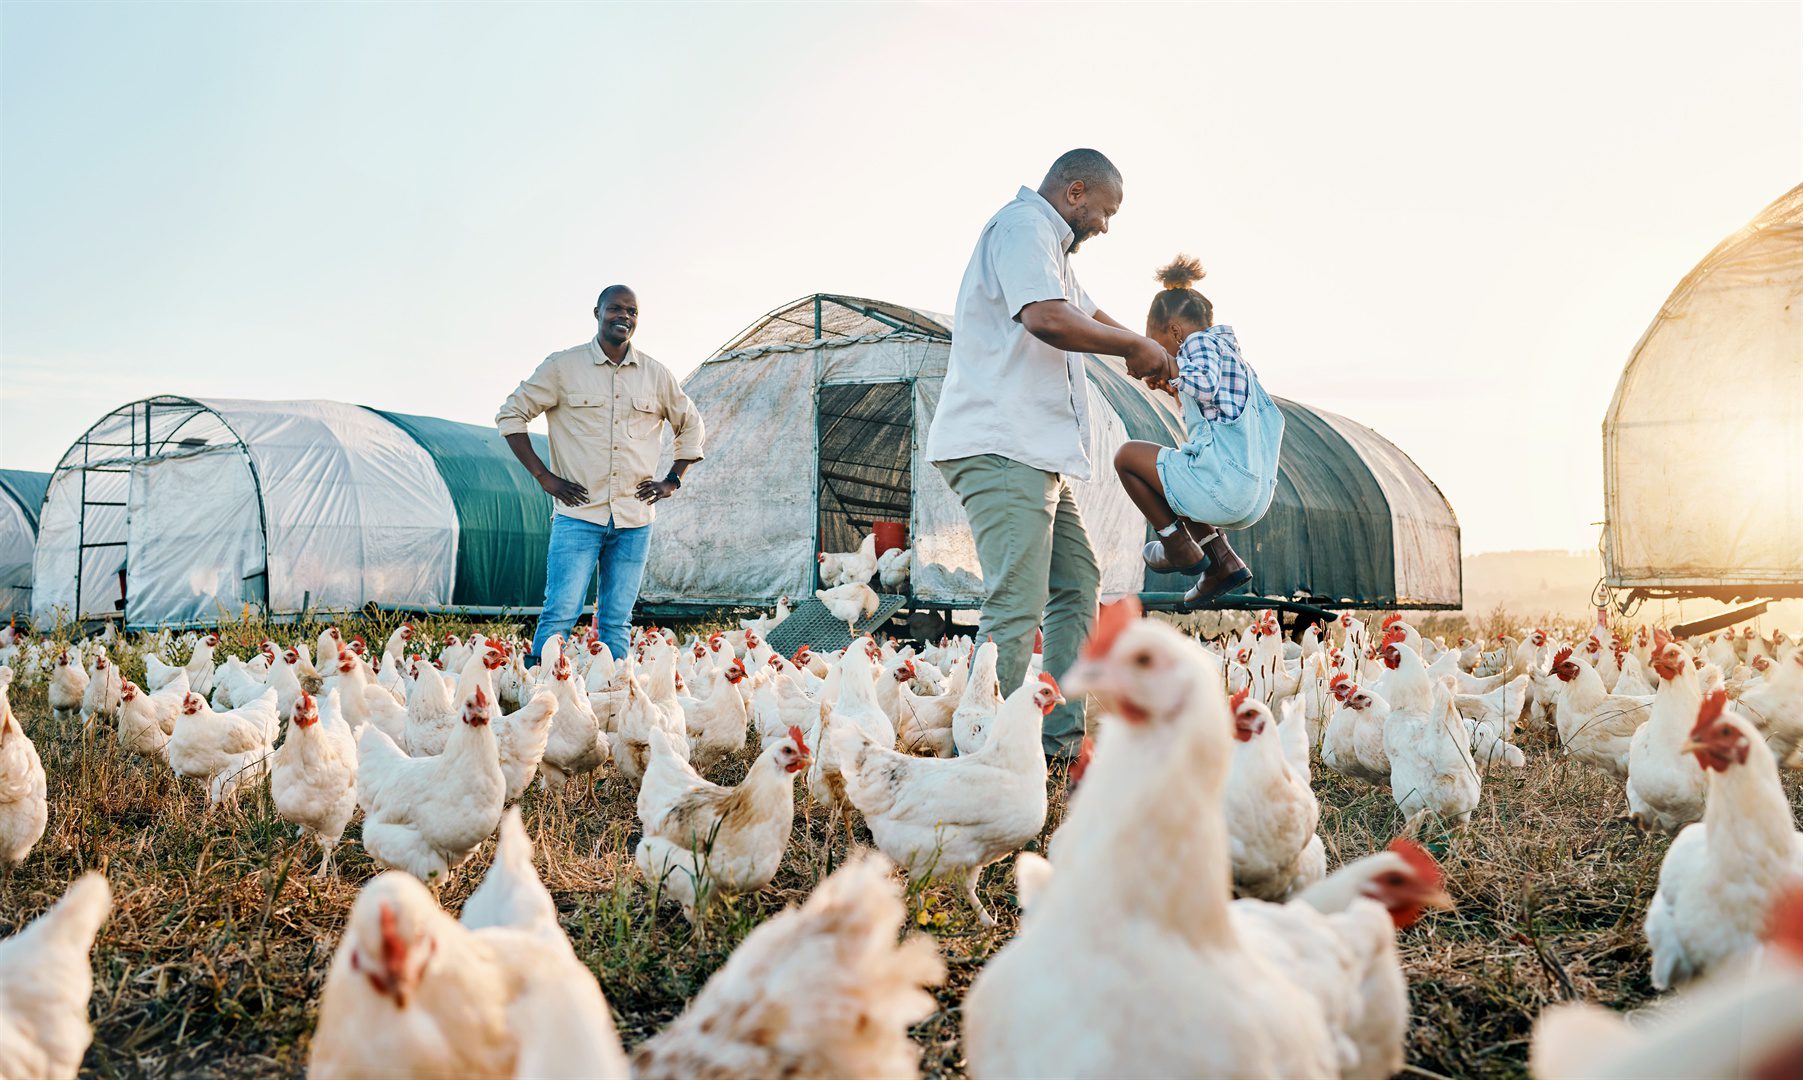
(1090, 677)
(1691, 746)
(1438, 900)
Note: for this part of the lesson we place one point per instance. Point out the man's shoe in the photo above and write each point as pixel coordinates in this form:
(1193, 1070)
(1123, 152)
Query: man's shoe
(1226, 573)
(1177, 553)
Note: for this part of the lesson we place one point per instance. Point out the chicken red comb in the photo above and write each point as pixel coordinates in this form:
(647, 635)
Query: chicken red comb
(1561, 656)
(304, 699)
(1239, 698)
(1394, 637)
(795, 733)
(1392, 619)
(1711, 710)
(1046, 677)
(1340, 678)
(1419, 860)
(1110, 621)
(1660, 637)
(1784, 923)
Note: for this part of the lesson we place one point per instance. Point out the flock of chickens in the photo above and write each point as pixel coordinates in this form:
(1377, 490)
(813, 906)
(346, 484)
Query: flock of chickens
(1182, 922)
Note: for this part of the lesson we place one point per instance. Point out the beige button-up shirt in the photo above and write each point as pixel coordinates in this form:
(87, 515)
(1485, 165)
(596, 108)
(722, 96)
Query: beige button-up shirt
(606, 422)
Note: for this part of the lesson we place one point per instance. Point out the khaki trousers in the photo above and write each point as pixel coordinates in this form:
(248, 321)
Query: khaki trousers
(1039, 571)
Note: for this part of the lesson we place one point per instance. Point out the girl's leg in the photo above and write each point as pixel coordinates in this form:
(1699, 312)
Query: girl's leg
(1175, 551)
(1137, 465)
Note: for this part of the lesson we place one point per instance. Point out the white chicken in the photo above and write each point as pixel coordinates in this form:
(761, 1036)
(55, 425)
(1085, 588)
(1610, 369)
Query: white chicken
(850, 568)
(1666, 786)
(198, 669)
(1492, 718)
(856, 706)
(702, 841)
(208, 744)
(1338, 941)
(427, 815)
(893, 567)
(105, 692)
(575, 745)
(1353, 744)
(851, 604)
(1775, 703)
(313, 774)
(1431, 768)
(521, 737)
(951, 817)
(977, 706)
(432, 714)
(46, 979)
(147, 720)
(413, 992)
(1722, 874)
(1171, 989)
(24, 809)
(717, 724)
(1271, 810)
(823, 990)
(1595, 726)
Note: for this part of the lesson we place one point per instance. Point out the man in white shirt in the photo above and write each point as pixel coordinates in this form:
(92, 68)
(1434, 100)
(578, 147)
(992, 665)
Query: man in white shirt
(1013, 426)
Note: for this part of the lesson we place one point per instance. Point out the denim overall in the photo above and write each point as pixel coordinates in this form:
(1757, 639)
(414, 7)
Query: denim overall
(1226, 473)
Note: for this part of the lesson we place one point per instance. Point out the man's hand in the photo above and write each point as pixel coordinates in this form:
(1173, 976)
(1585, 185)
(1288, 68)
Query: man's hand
(1146, 359)
(567, 492)
(655, 491)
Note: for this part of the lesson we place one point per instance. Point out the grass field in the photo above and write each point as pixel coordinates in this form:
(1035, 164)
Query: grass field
(220, 941)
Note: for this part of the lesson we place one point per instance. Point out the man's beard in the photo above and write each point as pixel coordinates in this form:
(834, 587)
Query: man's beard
(1077, 242)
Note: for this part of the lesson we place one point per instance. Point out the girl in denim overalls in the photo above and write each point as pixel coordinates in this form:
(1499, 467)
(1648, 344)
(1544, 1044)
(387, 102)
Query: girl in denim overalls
(1224, 474)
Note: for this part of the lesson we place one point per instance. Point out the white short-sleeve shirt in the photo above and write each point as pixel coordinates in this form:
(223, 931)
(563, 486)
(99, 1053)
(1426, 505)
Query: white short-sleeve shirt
(1007, 392)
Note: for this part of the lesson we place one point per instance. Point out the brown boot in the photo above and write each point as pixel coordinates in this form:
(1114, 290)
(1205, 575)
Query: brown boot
(1177, 553)
(1226, 572)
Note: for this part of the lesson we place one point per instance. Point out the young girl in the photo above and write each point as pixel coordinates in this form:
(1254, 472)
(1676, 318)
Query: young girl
(1224, 474)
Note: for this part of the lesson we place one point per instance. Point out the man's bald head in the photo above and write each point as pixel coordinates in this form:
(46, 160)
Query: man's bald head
(1091, 167)
(1085, 188)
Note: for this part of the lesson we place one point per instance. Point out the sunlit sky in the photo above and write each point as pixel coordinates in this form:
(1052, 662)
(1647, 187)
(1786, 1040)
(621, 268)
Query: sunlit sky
(1448, 222)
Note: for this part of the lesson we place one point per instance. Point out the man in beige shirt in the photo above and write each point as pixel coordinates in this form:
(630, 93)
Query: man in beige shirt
(605, 403)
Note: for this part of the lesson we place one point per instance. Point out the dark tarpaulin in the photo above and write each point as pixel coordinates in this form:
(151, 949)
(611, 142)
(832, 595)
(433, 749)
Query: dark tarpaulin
(503, 516)
(27, 489)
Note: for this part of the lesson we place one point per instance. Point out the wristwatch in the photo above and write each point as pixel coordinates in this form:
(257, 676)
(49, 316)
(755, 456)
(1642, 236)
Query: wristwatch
(673, 479)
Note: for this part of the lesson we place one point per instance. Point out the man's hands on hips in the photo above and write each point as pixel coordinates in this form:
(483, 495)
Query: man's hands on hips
(567, 492)
(655, 491)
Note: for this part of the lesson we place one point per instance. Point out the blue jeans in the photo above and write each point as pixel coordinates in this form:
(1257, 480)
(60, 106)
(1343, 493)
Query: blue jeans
(576, 548)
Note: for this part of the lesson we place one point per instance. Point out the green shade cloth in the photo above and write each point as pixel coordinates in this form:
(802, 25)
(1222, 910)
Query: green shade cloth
(503, 516)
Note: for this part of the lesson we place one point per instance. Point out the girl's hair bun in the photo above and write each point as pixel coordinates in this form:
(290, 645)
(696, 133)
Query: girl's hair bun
(1183, 272)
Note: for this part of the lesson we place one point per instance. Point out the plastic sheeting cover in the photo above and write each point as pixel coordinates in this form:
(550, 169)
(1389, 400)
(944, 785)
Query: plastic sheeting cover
(193, 538)
(1424, 535)
(355, 508)
(1712, 402)
(503, 516)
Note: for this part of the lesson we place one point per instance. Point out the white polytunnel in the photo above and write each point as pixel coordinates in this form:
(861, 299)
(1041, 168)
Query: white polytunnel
(1703, 442)
(173, 510)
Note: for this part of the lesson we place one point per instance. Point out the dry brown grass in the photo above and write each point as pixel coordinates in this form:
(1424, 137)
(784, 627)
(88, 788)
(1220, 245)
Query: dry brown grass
(214, 958)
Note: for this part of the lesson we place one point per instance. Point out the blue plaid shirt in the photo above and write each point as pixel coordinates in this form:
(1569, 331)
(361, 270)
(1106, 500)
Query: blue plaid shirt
(1210, 370)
